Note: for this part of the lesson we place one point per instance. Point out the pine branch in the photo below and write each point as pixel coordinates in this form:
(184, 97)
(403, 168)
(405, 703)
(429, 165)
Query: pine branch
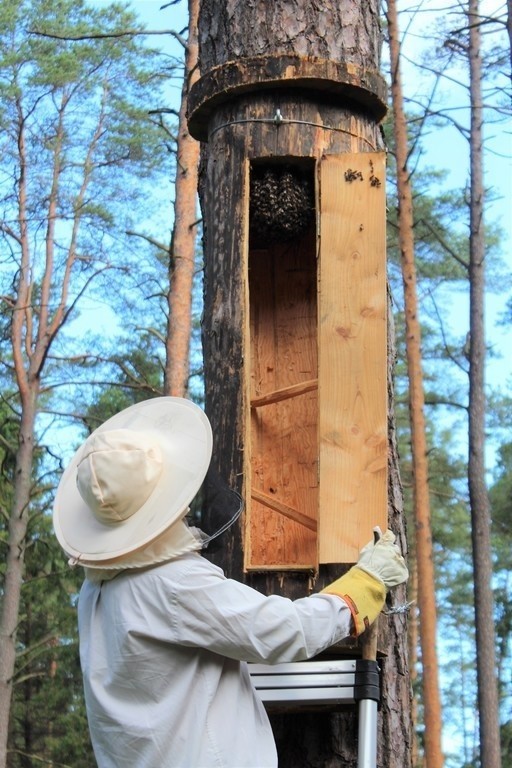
(107, 35)
(148, 239)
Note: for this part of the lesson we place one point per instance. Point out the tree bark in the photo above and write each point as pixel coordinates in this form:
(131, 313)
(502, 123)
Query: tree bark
(18, 519)
(183, 243)
(346, 31)
(260, 61)
(488, 708)
(15, 564)
(419, 448)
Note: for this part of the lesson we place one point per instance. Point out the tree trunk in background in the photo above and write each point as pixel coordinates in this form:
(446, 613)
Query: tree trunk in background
(14, 566)
(412, 650)
(183, 243)
(419, 449)
(479, 500)
(28, 381)
(247, 51)
(509, 31)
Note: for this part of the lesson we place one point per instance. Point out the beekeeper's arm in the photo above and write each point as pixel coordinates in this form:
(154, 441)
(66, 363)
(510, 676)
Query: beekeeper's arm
(231, 619)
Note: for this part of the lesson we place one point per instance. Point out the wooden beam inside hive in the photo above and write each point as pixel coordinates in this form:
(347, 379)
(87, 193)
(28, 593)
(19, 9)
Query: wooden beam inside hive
(352, 375)
(285, 393)
(284, 509)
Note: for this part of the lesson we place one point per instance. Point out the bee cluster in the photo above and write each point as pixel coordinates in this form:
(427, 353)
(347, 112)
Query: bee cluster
(282, 203)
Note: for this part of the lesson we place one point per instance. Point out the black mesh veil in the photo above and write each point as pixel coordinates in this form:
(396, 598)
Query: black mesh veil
(215, 508)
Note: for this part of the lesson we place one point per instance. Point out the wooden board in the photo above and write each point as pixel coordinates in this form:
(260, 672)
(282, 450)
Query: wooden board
(283, 432)
(352, 354)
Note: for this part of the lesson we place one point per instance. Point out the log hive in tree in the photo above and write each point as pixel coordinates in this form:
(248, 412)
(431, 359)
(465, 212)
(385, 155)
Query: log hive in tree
(285, 88)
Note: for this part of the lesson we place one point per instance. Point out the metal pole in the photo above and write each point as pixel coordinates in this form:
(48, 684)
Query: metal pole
(367, 745)
(367, 741)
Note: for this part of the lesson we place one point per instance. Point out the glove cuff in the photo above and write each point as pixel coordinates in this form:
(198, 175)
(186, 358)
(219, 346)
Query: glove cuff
(364, 594)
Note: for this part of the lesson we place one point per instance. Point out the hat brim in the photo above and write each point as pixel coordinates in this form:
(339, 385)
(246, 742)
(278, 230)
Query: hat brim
(185, 438)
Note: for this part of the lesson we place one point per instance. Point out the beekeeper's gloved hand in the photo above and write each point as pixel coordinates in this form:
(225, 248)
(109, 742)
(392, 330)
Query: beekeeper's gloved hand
(381, 558)
(364, 587)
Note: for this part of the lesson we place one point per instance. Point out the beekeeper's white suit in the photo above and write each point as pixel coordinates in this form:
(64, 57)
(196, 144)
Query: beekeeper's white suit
(163, 656)
(164, 635)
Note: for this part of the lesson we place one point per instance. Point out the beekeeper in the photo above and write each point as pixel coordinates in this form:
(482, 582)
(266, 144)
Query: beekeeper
(164, 635)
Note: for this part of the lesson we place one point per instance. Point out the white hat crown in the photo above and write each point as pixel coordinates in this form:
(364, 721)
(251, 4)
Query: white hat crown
(117, 473)
(133, 478)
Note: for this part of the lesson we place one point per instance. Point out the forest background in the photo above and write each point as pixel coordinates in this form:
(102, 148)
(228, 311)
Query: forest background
(111, 350)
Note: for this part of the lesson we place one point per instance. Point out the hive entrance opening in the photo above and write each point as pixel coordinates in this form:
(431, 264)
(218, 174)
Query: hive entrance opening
(282, 202)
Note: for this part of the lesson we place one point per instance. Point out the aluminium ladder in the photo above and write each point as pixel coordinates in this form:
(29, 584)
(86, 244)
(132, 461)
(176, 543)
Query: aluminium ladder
(330, 683)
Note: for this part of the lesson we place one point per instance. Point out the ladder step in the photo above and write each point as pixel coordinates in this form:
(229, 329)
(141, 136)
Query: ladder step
(311, 683)
(310, 697)
(320, 680)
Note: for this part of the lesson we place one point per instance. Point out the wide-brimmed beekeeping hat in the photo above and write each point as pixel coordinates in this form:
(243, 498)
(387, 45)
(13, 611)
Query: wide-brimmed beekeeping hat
(132, 479)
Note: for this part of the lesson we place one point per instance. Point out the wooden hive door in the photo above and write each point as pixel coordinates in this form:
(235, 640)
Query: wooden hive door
(316, 463)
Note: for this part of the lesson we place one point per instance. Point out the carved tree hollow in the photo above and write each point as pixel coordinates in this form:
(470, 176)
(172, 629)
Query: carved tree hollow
(316, 359)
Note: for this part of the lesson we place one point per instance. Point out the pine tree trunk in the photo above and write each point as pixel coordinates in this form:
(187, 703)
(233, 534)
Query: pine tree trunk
(419, 448)
(328, 58)
(15, 566)
(479, 500)
(183, 243)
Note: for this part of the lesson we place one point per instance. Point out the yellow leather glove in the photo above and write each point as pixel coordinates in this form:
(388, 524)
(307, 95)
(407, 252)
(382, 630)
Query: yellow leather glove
(364, 595)
(364, 587)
